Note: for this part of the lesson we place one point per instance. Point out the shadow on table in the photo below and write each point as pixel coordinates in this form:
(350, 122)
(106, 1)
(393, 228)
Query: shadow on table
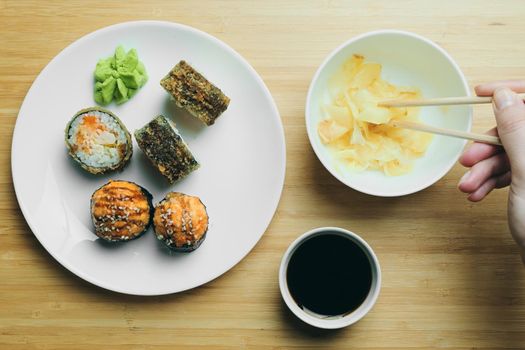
(338, 195)
(303, 329)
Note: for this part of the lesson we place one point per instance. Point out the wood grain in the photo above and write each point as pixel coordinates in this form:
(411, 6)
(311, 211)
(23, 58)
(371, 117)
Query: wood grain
(452, 275)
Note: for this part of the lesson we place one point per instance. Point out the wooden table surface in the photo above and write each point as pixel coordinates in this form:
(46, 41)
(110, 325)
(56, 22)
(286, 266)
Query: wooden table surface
(452, 277)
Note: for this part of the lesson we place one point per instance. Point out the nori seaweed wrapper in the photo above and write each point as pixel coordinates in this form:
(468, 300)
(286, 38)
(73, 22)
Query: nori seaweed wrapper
(192, 91)
(165, 148)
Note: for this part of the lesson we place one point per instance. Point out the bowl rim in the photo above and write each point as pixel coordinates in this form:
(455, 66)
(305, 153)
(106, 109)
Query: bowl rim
(311, 133)
(346, 320)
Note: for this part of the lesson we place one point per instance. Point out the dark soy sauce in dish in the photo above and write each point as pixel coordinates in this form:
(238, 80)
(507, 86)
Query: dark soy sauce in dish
(329, 275)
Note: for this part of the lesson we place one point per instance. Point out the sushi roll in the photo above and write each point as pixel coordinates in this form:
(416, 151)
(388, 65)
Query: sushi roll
(192, 91)
(121, 211)
(165, 148)
(180, 221)
(98, 141)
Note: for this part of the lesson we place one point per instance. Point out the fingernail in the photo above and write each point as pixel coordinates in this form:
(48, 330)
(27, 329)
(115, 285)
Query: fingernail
(503, 98)
(464, 178)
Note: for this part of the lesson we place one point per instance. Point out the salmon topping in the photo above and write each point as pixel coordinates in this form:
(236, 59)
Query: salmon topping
(120, 210)
(180, 220)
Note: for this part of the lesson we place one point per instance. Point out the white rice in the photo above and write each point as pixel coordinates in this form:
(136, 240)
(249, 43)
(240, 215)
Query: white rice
(176, 131)
(102, 147)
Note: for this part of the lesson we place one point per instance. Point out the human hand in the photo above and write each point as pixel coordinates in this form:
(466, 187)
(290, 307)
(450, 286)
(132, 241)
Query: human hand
(495, 167)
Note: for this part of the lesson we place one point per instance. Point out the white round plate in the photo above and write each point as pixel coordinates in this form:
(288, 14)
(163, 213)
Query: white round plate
(242, 160)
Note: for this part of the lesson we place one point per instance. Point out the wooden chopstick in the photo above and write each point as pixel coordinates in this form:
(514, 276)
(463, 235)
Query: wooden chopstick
(492, 140)
(442, 101)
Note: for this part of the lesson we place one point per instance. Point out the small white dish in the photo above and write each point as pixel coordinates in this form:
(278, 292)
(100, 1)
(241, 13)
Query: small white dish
(333, 322)
(410, 60)
(242, 160)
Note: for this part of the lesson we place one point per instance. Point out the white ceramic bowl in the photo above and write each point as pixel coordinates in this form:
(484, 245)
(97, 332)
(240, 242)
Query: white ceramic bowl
(410, 60)
(335, 321)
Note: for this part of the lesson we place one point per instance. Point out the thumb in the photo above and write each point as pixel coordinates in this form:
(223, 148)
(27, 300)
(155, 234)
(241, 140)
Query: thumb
(510, 118)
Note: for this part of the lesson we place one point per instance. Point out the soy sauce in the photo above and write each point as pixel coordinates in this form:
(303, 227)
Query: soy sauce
(329, 275)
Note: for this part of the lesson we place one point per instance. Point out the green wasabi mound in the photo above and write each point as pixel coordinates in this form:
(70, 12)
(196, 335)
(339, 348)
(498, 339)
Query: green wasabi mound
(119, 77)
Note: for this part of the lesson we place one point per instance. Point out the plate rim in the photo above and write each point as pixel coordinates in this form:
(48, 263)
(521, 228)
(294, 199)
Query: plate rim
(100, 31)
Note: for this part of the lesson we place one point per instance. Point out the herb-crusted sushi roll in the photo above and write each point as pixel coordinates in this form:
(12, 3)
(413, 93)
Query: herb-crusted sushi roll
(192, 91)
(181, 222)
(121, 211)
(165, 148)
(98, 141)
